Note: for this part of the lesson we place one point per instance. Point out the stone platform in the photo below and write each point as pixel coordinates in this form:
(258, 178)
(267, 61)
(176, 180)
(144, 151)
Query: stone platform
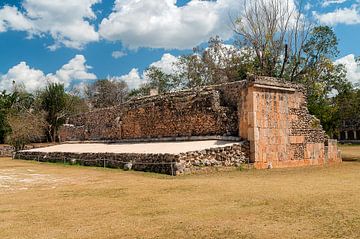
(172, 158)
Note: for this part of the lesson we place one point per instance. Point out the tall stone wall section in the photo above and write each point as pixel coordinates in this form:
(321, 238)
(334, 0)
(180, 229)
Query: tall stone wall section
(275, 119)
(187, 113)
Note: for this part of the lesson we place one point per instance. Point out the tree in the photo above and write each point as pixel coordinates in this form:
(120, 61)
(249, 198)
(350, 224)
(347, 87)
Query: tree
(106, 93)
(6, 101)
(158, 80)
(276, 31)
(217, 63)
(26, 127)
(53, 100)
(17, 101)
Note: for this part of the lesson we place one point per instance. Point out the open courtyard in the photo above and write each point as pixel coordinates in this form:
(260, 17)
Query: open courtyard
(43, 200)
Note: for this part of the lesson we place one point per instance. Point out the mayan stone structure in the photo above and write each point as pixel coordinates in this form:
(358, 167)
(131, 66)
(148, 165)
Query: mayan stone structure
(271, 115)
(350, 130)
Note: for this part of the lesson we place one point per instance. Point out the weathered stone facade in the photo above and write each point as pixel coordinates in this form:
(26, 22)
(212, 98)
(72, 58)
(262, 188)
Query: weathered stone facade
(270, 114)
(188, 113)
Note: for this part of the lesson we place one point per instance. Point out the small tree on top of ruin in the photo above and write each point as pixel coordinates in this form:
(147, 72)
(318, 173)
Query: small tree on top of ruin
(277, 31)
(105, 93)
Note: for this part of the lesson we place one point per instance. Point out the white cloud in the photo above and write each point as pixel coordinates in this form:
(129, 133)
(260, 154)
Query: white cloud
(348, 16)
(162, 24)
(167, 63)
(22, 74)
(326, 3)
(34, 79)
(66, 21)
(11, 18)
(133, 79)
(352, 67)
(76, 69)
(118, 54)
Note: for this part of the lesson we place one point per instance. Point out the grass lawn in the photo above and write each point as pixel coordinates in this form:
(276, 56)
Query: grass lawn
(350, 152)
(40, 200)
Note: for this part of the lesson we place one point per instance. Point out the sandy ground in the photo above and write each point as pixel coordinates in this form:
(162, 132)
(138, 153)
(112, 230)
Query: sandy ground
(158, 147)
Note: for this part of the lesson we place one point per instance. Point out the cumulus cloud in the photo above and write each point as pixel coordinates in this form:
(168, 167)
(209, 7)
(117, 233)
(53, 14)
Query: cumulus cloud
(352, 67)
(134, 78)
(167, 63)
(348, 16)
(34, 79)
(76, 69)
(22, 74)
(66, 21)
(162, 24)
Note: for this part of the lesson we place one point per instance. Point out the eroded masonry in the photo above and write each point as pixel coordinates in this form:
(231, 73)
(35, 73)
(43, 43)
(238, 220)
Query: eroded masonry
(270, 116)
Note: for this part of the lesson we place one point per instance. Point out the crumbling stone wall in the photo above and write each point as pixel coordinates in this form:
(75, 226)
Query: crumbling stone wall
(228, 157)
(186, 113)
(6, 150)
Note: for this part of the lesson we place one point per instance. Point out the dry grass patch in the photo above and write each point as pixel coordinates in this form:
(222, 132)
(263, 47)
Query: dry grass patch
(82, 202)
(350, 152)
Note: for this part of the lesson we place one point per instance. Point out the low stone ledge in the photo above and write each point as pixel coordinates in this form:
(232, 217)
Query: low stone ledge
(172, 164)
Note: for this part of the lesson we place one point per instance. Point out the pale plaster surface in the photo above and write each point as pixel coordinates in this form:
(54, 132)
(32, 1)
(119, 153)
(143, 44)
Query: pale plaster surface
(153, 147)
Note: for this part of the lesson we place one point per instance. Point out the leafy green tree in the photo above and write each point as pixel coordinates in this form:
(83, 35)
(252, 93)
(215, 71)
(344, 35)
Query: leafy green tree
(6, 101)
(53, 100)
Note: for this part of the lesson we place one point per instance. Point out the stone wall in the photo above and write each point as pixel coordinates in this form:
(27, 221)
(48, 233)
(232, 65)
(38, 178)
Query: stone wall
(275, 119)
(350, 130)
(186, 113)
(6, 150)
(228, 157)
(332, 154)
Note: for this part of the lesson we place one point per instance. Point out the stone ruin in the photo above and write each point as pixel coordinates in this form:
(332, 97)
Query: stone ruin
(350, 130)
(267, 117)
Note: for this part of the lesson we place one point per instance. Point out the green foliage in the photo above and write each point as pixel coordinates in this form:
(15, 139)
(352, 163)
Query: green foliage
(9, 103)
(53, 100)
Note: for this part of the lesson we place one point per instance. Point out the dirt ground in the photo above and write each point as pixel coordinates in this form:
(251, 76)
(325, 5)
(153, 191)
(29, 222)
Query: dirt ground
(40, 200)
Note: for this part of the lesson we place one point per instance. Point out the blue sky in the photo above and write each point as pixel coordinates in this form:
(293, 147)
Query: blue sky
(82, 40)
